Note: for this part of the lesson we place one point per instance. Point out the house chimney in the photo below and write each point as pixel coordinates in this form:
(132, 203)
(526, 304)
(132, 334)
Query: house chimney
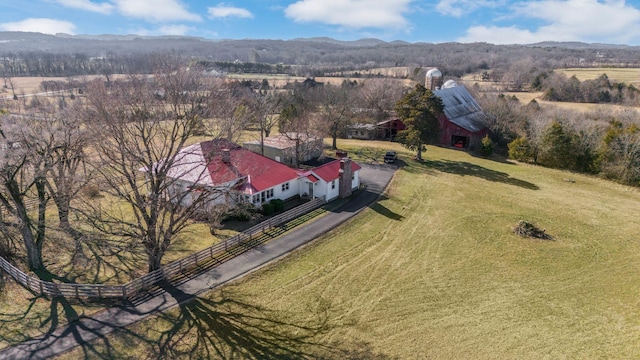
(226, 156)
(344, 181)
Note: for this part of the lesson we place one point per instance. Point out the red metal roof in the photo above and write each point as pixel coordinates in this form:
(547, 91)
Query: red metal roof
(256, 172)
(330, 171)
(312, 178)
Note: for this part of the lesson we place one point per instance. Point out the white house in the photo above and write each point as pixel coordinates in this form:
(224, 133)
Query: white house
(241, 175)
(331, 180)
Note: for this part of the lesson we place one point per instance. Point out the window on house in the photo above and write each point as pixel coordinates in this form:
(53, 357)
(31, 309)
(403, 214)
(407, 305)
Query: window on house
(256, 199)
(269, 194)
(333, 184)
(285, 187)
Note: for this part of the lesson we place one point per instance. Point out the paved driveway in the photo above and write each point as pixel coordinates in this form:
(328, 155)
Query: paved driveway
(88, 328)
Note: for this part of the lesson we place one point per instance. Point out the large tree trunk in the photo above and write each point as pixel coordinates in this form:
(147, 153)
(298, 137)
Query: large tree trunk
(63, 212)
(63, 218)
(154, 260)
(34, 251)
(334, 141)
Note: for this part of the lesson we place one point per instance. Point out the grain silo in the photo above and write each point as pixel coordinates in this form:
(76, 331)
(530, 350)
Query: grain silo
(433, 79)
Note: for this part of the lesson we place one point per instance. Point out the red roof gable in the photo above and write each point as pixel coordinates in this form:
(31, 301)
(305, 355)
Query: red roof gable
(312, 178)
(257, 172)
(330, 171)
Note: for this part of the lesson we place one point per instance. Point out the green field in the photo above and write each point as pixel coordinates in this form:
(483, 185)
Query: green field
(433, 271)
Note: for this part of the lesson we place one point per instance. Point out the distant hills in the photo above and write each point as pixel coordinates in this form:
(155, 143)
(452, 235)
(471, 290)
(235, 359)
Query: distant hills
(28, 41)
(313, 54)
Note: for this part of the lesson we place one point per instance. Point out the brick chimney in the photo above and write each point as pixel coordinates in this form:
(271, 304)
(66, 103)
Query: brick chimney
(226, 156)
(345, 173)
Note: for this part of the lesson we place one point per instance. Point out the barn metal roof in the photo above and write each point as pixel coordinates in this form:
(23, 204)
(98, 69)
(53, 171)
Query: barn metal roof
(461, 108)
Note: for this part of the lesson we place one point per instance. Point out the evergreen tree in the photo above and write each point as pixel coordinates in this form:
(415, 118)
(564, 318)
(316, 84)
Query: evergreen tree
(557, 147)
(419, 110)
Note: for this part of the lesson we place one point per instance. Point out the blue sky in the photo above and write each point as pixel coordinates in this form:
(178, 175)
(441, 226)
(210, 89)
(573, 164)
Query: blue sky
(497, 22)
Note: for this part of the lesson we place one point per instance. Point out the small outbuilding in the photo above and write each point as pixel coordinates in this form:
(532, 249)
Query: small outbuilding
(362, 132)
(291, 148)
(384, 130)
(388, 129)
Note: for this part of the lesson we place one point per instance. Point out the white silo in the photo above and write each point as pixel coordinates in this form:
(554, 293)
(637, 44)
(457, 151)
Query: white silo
(433, 79)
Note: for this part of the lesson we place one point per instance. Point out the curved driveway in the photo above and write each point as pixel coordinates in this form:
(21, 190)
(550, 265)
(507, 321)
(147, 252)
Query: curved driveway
(88, 328)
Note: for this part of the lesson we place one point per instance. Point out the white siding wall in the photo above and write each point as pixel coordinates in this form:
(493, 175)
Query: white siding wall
(333, 193)
(279, 193)
(320, 188)
(292, 191)
(356, 180)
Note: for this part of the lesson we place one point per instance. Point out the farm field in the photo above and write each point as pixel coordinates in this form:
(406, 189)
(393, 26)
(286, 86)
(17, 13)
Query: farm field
(526, 97)
(626, 75)
(433, 270)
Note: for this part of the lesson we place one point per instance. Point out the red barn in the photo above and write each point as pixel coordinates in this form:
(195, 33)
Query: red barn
(388, 129)
(463, 124)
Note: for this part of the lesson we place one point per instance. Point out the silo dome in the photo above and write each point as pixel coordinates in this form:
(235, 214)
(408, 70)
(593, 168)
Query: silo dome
(434, 73)
(450, 84)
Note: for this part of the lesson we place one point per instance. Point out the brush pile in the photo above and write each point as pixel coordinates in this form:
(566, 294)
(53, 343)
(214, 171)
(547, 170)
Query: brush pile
(528, 230)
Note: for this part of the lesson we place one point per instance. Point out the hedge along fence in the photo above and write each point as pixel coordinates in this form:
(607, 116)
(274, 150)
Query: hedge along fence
(167, 272)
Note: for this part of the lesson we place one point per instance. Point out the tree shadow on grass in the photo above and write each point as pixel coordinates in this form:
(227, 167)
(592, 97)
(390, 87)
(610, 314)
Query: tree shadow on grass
(94, 260)
(229, 327)
(464, 168)
(63, 323)
(384, 211)
(222, 326)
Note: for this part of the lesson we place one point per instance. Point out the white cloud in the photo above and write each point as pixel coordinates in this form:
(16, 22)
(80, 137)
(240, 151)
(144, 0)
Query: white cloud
(609, 21)
(41, 25)
(500, 35)
(223, 11)
(458, 8)
(175, 30)
(156, 10)
(103, 8)
(357, 14)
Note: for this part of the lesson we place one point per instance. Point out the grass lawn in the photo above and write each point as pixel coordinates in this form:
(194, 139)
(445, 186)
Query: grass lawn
(432, 271)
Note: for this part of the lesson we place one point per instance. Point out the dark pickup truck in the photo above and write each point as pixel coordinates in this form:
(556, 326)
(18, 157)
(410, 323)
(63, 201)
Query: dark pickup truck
(390, 156)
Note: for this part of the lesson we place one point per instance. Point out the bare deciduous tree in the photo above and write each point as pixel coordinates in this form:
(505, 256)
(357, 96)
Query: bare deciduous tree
(143, 123)
(23, 193)
(380, 96)
(335, 110)
(230, 110)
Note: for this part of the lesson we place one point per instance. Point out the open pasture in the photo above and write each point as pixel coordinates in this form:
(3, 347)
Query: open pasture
(626, 75)
(433, 270)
